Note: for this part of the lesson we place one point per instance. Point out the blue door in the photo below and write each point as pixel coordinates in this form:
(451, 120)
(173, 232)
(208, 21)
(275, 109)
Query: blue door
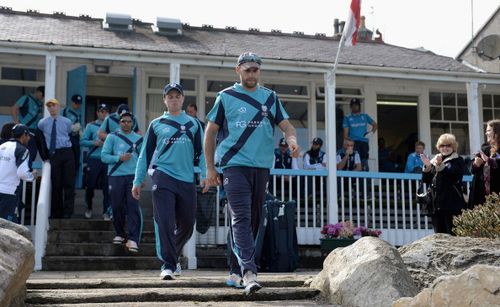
(77, 84)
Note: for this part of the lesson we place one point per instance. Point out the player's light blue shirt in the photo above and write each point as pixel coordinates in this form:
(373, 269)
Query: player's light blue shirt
(248, 120)
(90, 135)
(358, 126)
(74, 115)
(63, 129)
(112, 123)
(30, 111)
(115, 146)
(413, 161)
(174, 140)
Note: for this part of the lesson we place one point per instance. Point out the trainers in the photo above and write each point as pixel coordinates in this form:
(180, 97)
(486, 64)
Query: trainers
(166, 274)
(234, 280)
(106, 217)
(118, 240)
(250, 283)
(88, 214)
(132, 246)
(178, 270)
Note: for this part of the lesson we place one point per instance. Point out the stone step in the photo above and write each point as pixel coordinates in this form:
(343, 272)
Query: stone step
(90, 236)
(151, 282)
(96, 263)
(97, 249)
(91, 224)
(80, 296)
(288, 303)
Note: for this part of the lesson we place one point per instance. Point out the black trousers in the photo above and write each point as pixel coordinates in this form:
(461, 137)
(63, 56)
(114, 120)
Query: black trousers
(62, 175)
(442, 222)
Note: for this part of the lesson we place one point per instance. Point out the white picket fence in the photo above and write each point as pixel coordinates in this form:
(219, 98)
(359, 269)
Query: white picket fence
(384, 201)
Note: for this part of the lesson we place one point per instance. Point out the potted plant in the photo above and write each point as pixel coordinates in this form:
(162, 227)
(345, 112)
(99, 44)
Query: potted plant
(343, 234)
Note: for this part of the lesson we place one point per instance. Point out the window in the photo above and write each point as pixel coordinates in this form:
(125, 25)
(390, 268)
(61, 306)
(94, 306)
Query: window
(491, 107)
(215, 86)
(448, 114)
(290, 90)
(23, 74)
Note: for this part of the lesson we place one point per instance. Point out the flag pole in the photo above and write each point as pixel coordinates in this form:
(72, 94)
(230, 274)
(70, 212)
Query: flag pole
(330, 86)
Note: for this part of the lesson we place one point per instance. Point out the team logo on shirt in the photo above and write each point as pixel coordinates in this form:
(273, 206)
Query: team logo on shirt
(183, 129)
(242, 110)
(264, 111)
(154, 187)
(226, 180)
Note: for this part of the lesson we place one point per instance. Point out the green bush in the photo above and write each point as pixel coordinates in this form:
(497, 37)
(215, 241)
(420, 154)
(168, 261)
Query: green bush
(482, 221)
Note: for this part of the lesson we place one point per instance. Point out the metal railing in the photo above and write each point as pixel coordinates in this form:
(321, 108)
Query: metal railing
(384, 201)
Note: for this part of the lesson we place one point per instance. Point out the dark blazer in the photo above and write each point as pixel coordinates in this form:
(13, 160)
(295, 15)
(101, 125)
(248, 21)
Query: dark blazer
(477, 189)
(448, 187)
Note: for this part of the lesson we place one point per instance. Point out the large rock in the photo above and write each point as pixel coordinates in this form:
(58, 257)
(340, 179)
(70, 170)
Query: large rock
(477, 286)
(442, 254)
(17, 260)
(370, 272)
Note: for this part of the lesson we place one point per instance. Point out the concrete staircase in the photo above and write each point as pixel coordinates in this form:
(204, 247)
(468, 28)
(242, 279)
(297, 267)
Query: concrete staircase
(144, 288)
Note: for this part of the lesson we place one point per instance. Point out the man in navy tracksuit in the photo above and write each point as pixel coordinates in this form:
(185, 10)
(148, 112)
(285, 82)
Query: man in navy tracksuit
(248, 114)
(177, 139)
(120, 151)
(97, 171)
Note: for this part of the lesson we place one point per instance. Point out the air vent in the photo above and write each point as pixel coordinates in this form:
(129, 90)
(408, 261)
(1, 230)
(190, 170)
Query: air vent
(275, 31)
(230, 28)
(207, 26)
(59, 13)
(167, 26)
(117, 22)
(298, 33)
(85, 16)
(320, 35)
(33, 11)
(5, 9)
(253, 30)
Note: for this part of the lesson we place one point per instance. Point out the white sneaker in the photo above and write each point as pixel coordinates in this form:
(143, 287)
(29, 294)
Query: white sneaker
(88, 214)
(178, 270)
(118, 240)
(106, 217)
(250, 283)
(166, 274)
(132, 246)
(234, 280)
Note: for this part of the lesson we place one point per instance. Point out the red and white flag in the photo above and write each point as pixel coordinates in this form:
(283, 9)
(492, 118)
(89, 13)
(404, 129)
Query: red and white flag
(353, 23)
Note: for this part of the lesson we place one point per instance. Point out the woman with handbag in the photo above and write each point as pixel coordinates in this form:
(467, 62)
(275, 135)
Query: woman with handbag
(445, 171)
(486, 166)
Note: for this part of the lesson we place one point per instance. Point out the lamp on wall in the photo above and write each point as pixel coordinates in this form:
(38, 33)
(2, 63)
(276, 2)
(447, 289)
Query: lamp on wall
(101, 69)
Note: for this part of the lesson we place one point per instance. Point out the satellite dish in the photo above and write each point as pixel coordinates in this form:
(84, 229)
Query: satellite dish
(489, 48)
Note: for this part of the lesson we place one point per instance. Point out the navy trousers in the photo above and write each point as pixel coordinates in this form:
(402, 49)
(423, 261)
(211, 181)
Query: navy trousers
(124, 206)
(245, 189)
(174, 211)
(8, 205)
(62, 175)
(97, 177)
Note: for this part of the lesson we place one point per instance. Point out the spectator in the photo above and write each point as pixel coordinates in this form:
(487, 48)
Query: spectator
(28, 110)
(414, 163)
(120, 151)
(56, 130)
(486, 166)
(96, 171)
(445, 172)
(315, 158)
(356, 128)
(347, 158)
(386, 159)
(14, 158)
(282, 160)
(74, 113)
(6, 133)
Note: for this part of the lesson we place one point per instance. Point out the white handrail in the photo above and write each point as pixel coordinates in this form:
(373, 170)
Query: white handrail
(42, 216)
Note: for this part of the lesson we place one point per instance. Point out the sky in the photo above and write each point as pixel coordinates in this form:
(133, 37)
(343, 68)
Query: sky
(444, 27)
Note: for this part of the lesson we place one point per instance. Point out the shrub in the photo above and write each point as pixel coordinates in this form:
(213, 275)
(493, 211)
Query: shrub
(481, 222)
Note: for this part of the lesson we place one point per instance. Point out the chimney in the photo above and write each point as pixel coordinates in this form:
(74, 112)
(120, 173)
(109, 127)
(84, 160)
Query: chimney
(335, 26)
(341, 28)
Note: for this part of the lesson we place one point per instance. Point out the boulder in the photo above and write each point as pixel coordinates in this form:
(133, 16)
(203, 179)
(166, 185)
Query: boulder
(476, 286)
(442, 254)
(17, 260)
(370, 272)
